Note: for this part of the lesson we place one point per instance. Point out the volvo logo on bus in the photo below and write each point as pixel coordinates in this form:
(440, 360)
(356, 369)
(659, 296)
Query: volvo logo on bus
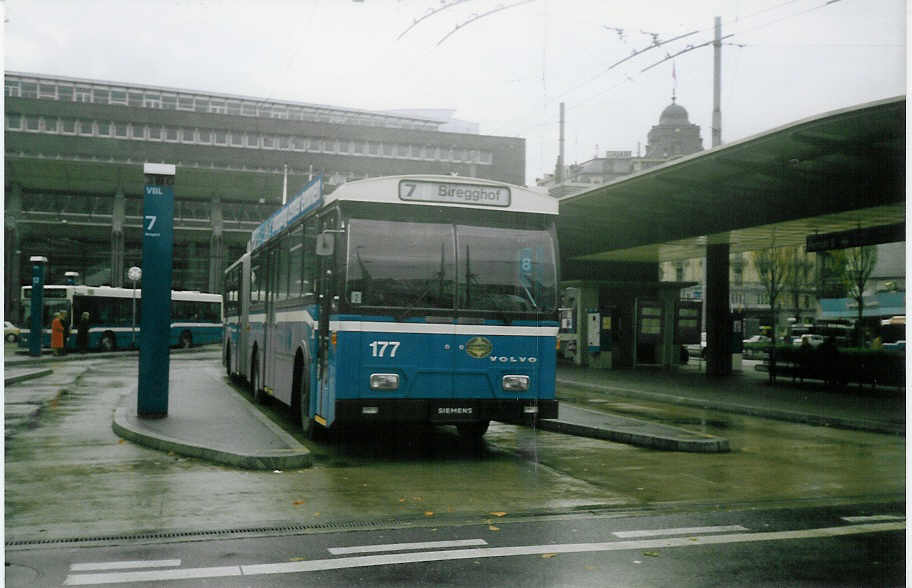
(479, 347)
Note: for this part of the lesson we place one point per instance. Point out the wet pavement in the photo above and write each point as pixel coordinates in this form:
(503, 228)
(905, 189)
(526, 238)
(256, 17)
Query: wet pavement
(69, 475)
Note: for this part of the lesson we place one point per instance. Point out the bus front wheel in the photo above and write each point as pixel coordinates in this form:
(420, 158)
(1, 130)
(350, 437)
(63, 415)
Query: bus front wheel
(473, 432)
(107, 342)
(312, 431)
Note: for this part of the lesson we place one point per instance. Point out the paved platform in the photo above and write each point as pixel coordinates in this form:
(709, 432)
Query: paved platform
(15, 375)
(748, 392)
(208, 419)
(575, 420)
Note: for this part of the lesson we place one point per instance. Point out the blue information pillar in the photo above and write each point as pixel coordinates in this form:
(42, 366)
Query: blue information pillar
(36, 328)
(155, 323)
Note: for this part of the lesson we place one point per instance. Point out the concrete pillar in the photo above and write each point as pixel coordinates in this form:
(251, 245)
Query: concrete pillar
(216, 246)
(718, 339)
(12, 256)
(118, 216)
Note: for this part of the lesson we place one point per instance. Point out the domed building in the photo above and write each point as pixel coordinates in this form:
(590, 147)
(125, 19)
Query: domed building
(674, 136)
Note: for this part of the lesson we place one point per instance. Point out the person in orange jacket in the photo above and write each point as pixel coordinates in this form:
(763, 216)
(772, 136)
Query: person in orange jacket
(57, 334)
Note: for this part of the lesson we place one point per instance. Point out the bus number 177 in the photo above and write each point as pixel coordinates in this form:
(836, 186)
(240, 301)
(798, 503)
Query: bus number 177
(379, 348)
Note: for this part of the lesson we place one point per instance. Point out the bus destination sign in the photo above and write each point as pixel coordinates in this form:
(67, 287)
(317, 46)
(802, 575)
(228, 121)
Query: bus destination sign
(310, 197)
(454, 193)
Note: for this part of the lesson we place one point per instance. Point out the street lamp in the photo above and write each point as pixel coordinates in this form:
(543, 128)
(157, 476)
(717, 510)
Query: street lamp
(134, 274)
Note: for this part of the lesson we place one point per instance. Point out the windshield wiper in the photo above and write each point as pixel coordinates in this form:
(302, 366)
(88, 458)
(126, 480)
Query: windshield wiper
(439, 275)
(530, 297)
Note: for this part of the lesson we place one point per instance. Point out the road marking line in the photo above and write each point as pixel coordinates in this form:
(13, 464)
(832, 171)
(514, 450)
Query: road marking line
(679, 531)
(151, 576)
(458, 554)
(406, 546)
(873, 518)
(123, 565)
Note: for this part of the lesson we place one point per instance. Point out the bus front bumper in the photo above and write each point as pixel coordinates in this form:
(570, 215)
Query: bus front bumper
(443, 411)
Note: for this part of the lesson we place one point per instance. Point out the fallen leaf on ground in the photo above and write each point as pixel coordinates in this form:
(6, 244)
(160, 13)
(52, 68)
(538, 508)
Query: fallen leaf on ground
(493, 528)
(548, 555)
(428, 513)
(498, 514)
(299, 502)
(651, 553)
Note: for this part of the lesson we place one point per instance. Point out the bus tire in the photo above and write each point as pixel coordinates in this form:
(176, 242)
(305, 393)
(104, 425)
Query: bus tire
(473, 432)
(108, 342)
(259, 395)
(186, 340)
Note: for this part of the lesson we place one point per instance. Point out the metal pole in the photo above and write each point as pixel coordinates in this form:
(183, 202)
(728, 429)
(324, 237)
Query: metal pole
(134, 273)
(717, 85)
(36, 327)
(559, 172)
(133, 325)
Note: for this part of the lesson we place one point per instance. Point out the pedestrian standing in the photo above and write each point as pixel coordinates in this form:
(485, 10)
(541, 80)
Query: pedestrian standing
(82, 333)
(66, 330)
(57, 331)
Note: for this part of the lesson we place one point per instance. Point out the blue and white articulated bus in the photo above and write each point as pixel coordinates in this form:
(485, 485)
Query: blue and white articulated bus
(423, 299)
(196, 317)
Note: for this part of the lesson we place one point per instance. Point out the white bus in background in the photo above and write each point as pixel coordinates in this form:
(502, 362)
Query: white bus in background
(196, 317)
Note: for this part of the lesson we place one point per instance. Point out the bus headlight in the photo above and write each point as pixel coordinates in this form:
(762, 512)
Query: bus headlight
(384, 381)
(515, 383)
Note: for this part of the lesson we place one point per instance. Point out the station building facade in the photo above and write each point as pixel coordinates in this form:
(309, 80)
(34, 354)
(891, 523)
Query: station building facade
(74, 150)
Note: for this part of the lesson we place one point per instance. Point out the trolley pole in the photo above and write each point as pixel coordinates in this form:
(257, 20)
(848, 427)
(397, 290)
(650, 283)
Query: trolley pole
(155, 321)
(36, 329)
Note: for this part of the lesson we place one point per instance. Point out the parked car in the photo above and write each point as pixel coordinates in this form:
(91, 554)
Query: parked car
(896, 346)
(694, 351)
(10, 332)
(811, 339)
(757, 339)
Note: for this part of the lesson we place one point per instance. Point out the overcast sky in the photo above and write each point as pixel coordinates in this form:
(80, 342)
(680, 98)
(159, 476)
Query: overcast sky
(507, 70)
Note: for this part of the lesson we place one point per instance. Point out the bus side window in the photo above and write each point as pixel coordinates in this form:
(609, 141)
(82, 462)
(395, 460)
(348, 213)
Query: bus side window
(281, 286)
(257, 275)
(295, 262)
(309, 266)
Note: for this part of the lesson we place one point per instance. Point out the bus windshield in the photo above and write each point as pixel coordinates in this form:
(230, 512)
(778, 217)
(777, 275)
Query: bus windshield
(395, 264)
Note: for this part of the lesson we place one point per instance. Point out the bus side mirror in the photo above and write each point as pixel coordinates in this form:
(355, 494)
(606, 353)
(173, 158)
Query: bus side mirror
(325, 244)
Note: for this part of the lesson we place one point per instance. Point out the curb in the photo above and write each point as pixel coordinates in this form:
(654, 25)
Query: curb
(770, 413)
(47, 356)
(278, 459)
(26, 376)
(713, 445)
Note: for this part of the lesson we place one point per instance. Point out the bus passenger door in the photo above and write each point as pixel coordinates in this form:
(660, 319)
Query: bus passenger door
(269, 334)
(326, 275)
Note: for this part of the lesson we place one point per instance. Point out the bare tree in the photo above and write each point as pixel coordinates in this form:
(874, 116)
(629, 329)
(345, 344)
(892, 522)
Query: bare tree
(799, 275)
(860, 262)
(772, 268)
(771, 265)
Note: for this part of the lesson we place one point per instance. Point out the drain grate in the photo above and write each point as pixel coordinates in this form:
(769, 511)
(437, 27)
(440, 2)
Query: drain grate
(278, 530)
(209, 533)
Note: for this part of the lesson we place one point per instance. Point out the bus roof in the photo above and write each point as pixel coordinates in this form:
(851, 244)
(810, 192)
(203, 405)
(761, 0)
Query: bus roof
(450, 191)
(112, 292)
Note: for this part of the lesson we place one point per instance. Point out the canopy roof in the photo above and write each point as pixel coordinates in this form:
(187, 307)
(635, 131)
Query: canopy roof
(838, 171)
